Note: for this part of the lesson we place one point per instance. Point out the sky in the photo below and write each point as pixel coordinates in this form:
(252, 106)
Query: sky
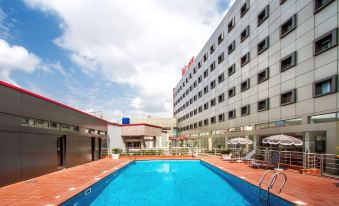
(113, 58)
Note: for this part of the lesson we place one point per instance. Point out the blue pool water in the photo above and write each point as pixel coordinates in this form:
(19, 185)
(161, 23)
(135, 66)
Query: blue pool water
(181, 182)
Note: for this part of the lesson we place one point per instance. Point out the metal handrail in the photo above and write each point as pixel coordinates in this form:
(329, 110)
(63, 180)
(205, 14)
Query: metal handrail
(274, 178)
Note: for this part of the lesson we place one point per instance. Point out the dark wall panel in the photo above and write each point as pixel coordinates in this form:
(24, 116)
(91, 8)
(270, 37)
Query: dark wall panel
(38, 154)
(10, 122)
(10, 101)
(10, 143)
(10, 169)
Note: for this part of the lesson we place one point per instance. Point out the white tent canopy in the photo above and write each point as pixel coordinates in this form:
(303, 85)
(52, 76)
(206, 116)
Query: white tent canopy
(283, 140)
(239, 140)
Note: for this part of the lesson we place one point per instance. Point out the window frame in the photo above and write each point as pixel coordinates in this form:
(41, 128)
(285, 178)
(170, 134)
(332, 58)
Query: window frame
(247, 34)
(267, 75)
(233, 92)
(266, 12)
(264, 44)
(231, 47)
(267, 102)
(244, 8)
(221, 38)
(247, 107)
(233, 112)
(293, 99)
(334, 41)
(221, 57)
(221, 78)
(293, 57)
(231, 25)
(232, 67)
(333, 86)
(247, 56)
(319, 8)
(293, 18)
(248, 85)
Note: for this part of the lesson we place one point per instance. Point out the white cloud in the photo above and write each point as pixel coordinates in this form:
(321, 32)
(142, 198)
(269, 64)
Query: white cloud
(140, 43)
(137, 103)
(14, 57)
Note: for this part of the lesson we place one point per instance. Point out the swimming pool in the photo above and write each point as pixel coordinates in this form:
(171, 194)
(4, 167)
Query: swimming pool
(171, 182)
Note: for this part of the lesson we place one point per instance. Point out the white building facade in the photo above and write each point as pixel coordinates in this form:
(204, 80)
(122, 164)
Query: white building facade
(270, 67)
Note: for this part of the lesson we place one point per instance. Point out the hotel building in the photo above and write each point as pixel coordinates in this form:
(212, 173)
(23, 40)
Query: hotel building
(270, 67)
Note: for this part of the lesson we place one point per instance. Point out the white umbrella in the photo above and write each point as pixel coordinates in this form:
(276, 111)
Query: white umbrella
(282, 140)
(239, 140)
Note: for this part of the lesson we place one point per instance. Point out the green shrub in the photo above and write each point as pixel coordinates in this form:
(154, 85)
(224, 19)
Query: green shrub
(116, 151)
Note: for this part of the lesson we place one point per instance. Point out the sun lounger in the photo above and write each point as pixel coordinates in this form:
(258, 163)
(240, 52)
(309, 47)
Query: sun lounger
(227, 157)
(248, 157)
(261, 164)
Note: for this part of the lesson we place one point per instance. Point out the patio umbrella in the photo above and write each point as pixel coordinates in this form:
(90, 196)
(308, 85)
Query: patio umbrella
(239, 141)
(282, 140)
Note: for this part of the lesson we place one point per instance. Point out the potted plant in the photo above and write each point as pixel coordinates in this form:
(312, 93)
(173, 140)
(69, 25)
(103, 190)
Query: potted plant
(116, 153)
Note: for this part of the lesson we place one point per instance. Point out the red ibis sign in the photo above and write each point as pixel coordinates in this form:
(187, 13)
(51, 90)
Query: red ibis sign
(186, 67)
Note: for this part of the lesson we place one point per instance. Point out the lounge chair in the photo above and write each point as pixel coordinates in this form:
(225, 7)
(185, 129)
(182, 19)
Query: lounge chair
(227, 156)
(264, 164)
(248, 157)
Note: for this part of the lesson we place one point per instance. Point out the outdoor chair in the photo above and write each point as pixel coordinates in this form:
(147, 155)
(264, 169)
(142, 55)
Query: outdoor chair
(248, 157)
(258, 164)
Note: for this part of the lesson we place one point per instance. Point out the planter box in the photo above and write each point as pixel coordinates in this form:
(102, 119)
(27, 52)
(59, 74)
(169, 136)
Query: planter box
(115, 156)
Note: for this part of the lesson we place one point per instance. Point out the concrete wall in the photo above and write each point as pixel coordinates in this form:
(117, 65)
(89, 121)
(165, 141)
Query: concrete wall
(114, 137)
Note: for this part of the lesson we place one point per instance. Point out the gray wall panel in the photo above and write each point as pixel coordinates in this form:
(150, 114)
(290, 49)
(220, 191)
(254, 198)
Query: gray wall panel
(10, 143)
(35, 164)
(10, 101)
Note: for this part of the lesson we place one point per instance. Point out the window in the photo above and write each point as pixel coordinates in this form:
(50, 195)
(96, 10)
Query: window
(212, 66)
(205, 122)
(231, 25)
(221, 98)
(263, 75)
(325, 86)
(220, 38)
(288, 62)
(195, 125)
(288, 97)
(212, 84)
(200, 109)
(221, 117)
(231, 114)
(231, 47)
(221, 58)
(221, 78)
(213, 120)
(231, 70)
(195, 84)
(263, 45)
(191, 113)
(263, 105)
(212, 48)
(213, 102)
(205, 73)
(231, 92)
(205, 89)
(288, 26)
(199, 64)
(199, 94)
(245, 110)
(206, 106)
(205, 57)
(245, 59)
(200, 79)
(263, 15)
(244, 34)
(191, 101)
(325, 42)
(245, 85)
(195, 112)
(244, 8)
(195, 98)
(320, 4)
(332, 117)
(200, 124)
(282, 1)
(194, 70)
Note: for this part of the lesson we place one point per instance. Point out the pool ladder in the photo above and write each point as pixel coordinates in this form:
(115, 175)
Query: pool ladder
(263, 199)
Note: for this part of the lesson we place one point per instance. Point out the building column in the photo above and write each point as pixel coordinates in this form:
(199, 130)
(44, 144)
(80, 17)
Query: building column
(307, 142)
(210, 143)
(255, 139)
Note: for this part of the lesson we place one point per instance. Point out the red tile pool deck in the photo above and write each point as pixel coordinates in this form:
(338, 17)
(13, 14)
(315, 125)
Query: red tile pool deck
(55, 188)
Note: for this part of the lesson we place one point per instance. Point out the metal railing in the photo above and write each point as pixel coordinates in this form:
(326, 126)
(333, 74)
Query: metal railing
(164, 151)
